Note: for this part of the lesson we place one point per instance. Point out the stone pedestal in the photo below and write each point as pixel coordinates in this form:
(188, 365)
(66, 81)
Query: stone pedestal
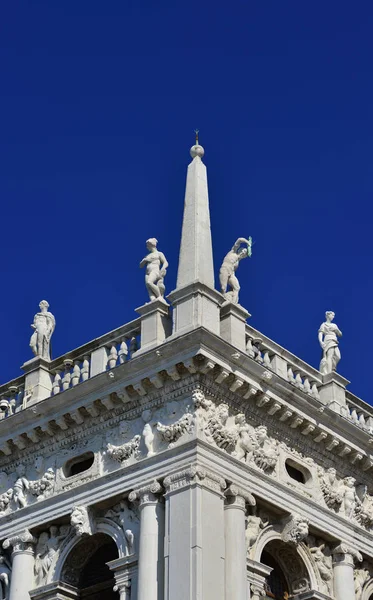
(99, 360)
(235, 542)
(156, 324)
(343, 571)
(195, 305)
(233, 324)
(333, 392)
(194, 537)
(22, 580)
(38, 379)
(150, 570)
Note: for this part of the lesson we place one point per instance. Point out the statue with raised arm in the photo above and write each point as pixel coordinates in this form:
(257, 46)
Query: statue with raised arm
(227, 274)
(156, 269)
(328, 334)
(44, 324)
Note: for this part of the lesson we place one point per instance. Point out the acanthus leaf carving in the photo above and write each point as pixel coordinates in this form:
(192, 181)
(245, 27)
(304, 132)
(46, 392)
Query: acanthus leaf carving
(124, 452)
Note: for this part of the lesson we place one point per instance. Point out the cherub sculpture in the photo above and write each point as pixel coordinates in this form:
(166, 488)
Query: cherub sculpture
(156, 269)
(227, 276)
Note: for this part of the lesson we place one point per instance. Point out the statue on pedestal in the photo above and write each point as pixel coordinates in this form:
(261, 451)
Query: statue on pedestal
(328, 334)
(230, 264)
(44, 325)
(156, 269)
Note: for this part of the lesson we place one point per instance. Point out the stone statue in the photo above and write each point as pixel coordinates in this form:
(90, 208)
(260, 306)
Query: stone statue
(330, 488)
(328, 334)
(230, 264)
(147, 432)
(20, 487)
(5, 573)
(44, 325)
(246, 438)
(265, 454)
(254, 525)
(350, 497)
(155, 273)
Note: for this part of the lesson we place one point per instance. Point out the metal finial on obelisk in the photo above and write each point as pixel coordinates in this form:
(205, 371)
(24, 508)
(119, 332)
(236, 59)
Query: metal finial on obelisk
(197, 150)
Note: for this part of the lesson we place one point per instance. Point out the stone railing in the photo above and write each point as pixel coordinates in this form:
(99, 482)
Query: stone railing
(75, 367)
(13, 397)
(102, 354)
(283, 363)
(358, 412)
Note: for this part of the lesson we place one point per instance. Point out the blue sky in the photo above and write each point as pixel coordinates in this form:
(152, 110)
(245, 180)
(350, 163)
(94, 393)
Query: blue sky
(98, 105)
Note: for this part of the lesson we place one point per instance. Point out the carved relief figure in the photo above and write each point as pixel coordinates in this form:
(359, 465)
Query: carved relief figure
(46, 549)
(43, 487)
(20, 487)
(227, 274)
(361, 577)
(246, 441)
(5, 574)
(44, 325)
(203, 409)
(224, 437)
(330, 488)
(350, 498)
(323, 560)
(328, 339)
(266, 453)
(364, 512)
(147, 432)
(156, 269)
(254, 524)
(123, 515)
(123, 453)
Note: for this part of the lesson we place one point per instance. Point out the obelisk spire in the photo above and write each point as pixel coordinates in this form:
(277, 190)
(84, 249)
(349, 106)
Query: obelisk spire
(195, 259)
(195, 301)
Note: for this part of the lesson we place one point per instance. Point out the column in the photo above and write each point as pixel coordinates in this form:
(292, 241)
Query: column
(22, 564)
(343, 571)
(235, 542)
(194, 538)
(150, 576)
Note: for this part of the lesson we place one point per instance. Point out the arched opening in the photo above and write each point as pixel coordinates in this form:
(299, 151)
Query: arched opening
(289, 575)
(276, 586)
(85, 568)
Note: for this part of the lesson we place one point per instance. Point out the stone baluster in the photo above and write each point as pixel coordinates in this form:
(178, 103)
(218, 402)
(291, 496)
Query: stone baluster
(298, 381)
(22, 580)
(75, 377)
(343, 570)
(56, 387)
(235, 542)
(150, 574)
(66, 380)
(307, 385)
(266, 359)
(85, 368)
(113, 357)
(133, 345)
(123, 352)
(249, 347)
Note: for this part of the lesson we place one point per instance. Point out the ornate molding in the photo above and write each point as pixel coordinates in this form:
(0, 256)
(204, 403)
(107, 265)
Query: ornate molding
(147, 494)
(192, 475)
(238, 497)
(21, 542)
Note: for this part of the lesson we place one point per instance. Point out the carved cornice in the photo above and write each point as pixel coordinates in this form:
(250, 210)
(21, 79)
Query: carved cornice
(344, 554)
(194, 475)
(21, 542)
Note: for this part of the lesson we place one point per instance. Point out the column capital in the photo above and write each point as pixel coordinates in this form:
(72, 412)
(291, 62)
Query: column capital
(21, 542)
(237, 497)
(146, 494)
(343, 554)
(257, 591)
(194, 475)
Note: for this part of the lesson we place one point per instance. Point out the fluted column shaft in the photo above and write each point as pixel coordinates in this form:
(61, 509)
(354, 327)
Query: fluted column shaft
(22, 580)
(235, 542)
(150, 574)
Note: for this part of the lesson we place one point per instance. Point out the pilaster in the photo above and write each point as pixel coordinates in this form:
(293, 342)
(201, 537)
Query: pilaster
(194, 548)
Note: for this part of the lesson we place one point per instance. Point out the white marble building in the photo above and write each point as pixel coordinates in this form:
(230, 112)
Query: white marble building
(184, 455)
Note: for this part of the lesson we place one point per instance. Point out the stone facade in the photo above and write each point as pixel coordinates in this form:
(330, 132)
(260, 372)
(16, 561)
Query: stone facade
(201, 458)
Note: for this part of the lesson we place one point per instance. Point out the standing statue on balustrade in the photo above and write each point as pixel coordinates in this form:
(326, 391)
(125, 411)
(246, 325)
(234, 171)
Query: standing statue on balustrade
(156, 269)
(229, 267)
(44, 325)
(328, 334)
